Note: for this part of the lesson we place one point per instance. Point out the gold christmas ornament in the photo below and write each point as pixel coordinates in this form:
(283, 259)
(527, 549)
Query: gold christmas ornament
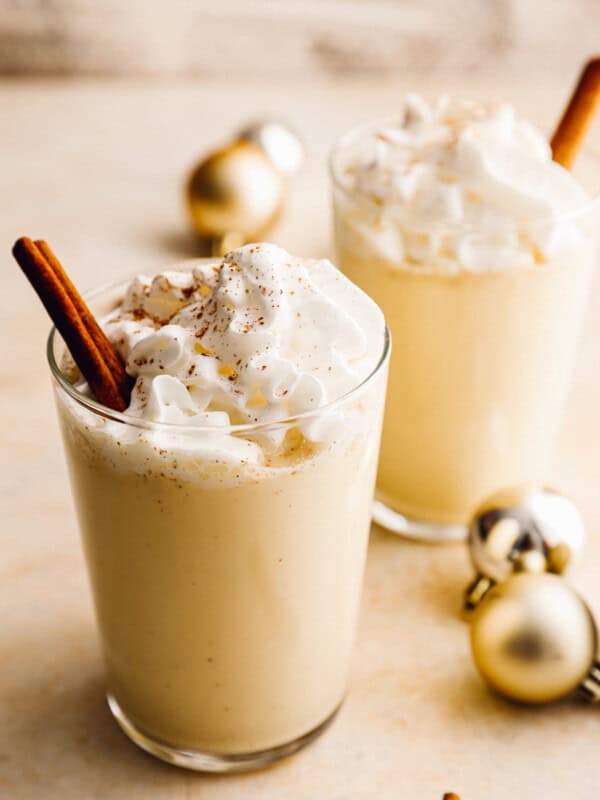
(236, 194)
(534, 640)
(280, 144)
(523, 529)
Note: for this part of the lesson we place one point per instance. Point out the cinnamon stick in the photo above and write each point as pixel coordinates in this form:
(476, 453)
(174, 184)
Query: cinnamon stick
(577, 116)
(63, 305)
(105, 347)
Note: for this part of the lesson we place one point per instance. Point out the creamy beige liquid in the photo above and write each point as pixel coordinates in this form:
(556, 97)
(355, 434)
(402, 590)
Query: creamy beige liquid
(479, 370)
(226, 601)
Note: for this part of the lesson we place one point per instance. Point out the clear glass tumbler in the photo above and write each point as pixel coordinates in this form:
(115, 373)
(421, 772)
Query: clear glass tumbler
(226, 597)
(481, 362)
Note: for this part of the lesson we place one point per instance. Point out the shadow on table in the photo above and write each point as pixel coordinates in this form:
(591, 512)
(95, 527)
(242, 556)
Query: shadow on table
(432, 578)
(474, 706)
(181, 244)
(58, 739)
(170, 245)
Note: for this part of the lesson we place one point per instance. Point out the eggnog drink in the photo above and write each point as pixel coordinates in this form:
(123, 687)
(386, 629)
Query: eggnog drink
(225, 515)
(479, 248)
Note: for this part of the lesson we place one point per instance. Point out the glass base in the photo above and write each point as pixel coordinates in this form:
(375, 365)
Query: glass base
(416, 529)
(213, 762)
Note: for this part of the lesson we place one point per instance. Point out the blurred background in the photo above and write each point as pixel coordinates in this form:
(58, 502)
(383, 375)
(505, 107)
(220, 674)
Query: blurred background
(116, 101)
(254, 39)
(105, 107)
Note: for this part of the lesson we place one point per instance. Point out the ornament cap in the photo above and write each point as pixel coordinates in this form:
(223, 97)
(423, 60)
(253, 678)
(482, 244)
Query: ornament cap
(590, 686)
(476, 591)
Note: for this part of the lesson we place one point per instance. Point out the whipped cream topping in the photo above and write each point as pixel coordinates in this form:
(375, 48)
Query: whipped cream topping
(259, 337)
(458, 185)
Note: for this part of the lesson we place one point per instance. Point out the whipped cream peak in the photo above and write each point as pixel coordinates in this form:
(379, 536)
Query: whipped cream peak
(256, 338)
(455, 185)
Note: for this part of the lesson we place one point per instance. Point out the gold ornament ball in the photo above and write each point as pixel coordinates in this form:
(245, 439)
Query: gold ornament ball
(533, 638)
(527, 528)
(235, 192)
(283, 148)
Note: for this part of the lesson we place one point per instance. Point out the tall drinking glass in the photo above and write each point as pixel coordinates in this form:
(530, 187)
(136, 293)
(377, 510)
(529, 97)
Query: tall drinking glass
(482, 360)
(226, 599)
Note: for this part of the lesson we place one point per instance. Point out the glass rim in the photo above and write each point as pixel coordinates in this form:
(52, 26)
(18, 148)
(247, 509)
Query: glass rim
(92, 405)
(354, 135)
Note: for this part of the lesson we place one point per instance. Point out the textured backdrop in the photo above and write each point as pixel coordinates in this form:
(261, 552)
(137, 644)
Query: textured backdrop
(295, 38)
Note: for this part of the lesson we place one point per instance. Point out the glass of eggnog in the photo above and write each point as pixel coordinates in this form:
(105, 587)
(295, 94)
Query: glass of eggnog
(225, 514)
(478, 247)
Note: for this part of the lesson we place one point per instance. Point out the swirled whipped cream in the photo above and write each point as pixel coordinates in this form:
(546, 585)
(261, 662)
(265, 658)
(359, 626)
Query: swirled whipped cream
(457, 185)
(259, 337)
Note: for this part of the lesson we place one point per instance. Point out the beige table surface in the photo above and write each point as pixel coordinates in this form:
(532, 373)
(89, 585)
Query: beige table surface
(97, 168)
